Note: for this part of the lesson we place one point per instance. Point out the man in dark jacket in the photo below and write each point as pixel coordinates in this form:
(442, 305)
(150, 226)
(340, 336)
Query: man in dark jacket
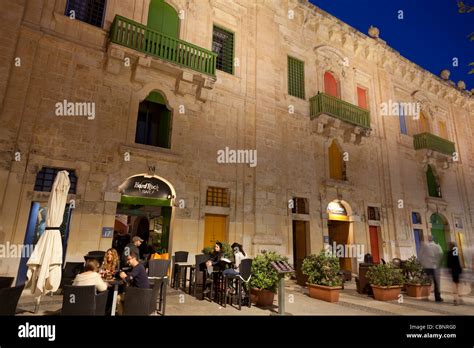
(137, 277)
(131, 248)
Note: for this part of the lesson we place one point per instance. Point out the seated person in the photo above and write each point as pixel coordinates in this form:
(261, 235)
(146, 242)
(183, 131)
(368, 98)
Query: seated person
(239, 255)
(110, 266)
(215, 258)
(136, 277)
(90, 276)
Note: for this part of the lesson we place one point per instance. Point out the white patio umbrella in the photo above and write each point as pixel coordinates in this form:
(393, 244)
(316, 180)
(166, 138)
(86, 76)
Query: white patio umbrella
(44, 265)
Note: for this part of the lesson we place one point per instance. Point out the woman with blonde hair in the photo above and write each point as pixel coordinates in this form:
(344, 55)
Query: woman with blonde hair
(111, 263)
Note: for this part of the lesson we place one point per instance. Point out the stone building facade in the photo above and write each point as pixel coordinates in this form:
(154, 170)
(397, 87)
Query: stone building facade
(47, 57)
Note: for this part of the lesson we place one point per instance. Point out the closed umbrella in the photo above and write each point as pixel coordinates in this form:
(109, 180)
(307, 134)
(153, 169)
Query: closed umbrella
(44, 265)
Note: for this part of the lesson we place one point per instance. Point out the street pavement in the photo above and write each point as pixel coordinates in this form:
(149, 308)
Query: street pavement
(297, 302)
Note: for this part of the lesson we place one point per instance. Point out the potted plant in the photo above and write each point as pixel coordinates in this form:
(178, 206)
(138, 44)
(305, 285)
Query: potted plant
(386, 281)
(417, 283)
(324, 281)
(264, 280)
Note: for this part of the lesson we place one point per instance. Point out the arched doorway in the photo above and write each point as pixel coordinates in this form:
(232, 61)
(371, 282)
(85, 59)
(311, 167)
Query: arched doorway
(440, 233)
(340, 232)
(146, 206)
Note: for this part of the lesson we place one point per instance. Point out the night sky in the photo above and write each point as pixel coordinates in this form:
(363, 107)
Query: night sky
(431, 34)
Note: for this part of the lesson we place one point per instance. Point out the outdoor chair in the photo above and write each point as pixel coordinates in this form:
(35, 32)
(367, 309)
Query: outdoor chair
(83, 300)
(196, 284)
(242, 290)
(9, 298)
(6, 282)
(70, 271)
(158, 271)
(140, 301)
(179, 256)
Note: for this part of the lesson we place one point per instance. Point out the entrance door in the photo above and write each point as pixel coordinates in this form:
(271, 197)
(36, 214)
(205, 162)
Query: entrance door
(215, 228)
(418, 235)
(440, 238)
(299, 249)
(460, 242)
(339, 234)
(374, 243)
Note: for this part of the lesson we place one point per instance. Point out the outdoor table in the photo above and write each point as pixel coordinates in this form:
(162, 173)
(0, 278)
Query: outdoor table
(183, 266)
(115, 283)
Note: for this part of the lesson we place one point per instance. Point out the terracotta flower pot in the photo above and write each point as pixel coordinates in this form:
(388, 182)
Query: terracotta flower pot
(262, 297)
(418, 290)
(386, 293)
(325, 293)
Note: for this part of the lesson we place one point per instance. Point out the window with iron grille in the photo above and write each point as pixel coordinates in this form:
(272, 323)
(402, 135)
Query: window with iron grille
(89, 11)
(373, 213)
(295, 77)
(223, 45)
(300, 206)
(217, 196)
(45, 179)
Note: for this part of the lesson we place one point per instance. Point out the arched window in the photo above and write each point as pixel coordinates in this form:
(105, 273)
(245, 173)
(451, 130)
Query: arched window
(337, 165)
(330, 85)
(434, 189)
(154, 122)
(424, 125)
(163, 18)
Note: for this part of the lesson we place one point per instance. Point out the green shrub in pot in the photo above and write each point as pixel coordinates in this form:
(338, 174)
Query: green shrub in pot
(414, 272)
(264, 276)
(385, 275)
(322, 269)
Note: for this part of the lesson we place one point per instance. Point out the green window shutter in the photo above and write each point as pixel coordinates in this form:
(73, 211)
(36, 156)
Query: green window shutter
(296, 77)
(432, 183)
(223, 45)
(163, 18)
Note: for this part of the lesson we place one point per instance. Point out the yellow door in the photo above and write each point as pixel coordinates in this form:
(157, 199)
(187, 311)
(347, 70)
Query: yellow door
(215, 228)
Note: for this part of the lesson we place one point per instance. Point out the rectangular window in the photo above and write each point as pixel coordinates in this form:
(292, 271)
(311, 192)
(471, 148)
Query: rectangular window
(300, 206)
(223, 45)
(416, 218)
(217, 196)
(373, 213)
(153, 125)
(403, 125)
(362, 101)
(442, 131)
(295, 77)
(45, 179)
(89, 11)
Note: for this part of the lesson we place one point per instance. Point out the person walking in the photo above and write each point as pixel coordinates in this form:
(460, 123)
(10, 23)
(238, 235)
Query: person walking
(430, 258)
(455, 266)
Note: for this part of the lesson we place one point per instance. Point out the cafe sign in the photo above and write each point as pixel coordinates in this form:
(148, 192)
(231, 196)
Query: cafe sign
(143, 186)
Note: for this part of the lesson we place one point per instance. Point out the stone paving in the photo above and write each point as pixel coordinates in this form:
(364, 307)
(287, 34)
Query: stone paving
(297, 303)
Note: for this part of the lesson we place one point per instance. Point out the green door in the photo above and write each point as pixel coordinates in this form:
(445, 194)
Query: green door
(163, 18)
(437, 231)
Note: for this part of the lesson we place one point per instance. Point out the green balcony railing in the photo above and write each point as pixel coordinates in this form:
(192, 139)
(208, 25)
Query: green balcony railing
(433, 142)
(139, 37)
(322, 103)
